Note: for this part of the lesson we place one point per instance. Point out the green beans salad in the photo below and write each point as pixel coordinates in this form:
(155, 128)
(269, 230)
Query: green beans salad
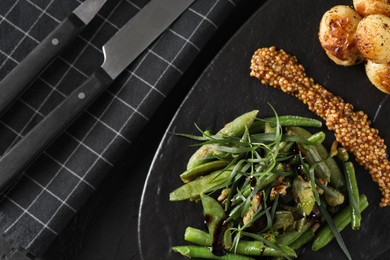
(268, 187)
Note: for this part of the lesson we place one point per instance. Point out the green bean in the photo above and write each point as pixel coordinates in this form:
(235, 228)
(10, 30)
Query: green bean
(327, 167)
(205, 253)
(234, 128)
(321, 169)
(336, 177)
(258, 125)
(197, 236)
(244, 247)
(297, 121)
(193, 189)
(290, 236)
(304, 238)
(353, 193)
(202, 169)
(342, 219)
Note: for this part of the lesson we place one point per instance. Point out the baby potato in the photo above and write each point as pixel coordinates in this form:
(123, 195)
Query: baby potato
(337, 35)
(379, 75)
(367, 7)
(373, 38)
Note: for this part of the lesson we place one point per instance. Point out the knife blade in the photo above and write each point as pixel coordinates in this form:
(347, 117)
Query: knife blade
(17, 81)
(126, 45)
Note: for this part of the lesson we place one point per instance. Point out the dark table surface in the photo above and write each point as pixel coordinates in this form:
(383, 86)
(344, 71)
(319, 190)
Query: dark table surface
(106, 226)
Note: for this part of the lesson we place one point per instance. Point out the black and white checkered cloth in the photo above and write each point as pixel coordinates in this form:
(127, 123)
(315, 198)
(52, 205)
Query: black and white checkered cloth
(60, 181)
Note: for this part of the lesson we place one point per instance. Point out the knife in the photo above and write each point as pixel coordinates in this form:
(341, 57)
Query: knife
(126, 45)
(13, 85)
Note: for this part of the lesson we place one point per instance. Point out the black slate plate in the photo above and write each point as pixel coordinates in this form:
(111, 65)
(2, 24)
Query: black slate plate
(225, 90)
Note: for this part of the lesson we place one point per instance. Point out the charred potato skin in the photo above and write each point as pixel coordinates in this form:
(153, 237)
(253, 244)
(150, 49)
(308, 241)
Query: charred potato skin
(379, 75)
(337, 35)
(373, 38)
(368, 7)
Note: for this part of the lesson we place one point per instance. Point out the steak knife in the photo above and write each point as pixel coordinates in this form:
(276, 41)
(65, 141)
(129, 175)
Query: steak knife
(126, 45)
(13, 85)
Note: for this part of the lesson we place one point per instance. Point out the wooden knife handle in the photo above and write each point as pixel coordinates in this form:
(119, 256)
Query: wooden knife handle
(13, 85)
(28, 148)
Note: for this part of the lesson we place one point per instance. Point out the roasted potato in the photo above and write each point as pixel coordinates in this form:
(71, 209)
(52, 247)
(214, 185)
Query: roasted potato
(379, 75)
(373, 38)
(337, 35)
(367, 7)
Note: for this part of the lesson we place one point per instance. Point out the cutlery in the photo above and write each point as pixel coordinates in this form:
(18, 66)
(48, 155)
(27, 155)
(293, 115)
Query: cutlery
(13, 85)
(119, 51)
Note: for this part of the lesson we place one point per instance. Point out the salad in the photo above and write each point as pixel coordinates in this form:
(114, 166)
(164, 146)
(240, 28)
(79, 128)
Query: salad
(268, 187)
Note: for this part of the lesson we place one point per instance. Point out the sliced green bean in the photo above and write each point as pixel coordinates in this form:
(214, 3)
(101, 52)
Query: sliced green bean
(327, 168)
(336, 176)
(342, 154)
(321, 169)
(290, 236)
(317, 138)
(353, 193)
(205, 253)
(303, 194)
(342, 219)
(215, 216)
(300, 224)
(269, 128)
(202, 169)
(283, 219)
(334, 200)
(237, 126)
(193, 189)
(234, 128)
(311, 153)
(244, 247)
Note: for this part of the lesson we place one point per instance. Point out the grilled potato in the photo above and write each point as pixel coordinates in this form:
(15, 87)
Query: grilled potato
(379, 75)
(337, 35)
(373, 38)
(368, 7)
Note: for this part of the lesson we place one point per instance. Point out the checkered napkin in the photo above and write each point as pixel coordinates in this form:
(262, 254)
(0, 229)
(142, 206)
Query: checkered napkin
(62, 178)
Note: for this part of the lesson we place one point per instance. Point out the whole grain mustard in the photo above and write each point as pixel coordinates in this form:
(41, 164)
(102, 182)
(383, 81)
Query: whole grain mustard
(352, 129)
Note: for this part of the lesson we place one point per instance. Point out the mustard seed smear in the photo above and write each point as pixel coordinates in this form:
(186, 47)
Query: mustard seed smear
(352, 128)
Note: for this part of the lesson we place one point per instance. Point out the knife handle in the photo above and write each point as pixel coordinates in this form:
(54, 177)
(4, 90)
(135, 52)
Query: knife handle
(13, 85)
(28, 148)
